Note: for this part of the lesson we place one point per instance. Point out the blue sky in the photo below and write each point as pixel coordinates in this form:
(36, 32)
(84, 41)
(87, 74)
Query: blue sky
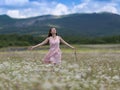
(31, 8)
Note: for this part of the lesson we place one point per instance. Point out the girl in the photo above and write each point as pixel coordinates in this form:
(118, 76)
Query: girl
(54, 54)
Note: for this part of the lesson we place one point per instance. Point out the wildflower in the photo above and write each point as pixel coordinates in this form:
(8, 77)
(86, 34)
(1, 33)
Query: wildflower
(78, 76)
(116, 77)
(47, 85)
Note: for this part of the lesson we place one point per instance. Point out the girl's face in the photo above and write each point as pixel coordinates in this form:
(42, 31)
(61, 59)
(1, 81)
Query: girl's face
(53, 31)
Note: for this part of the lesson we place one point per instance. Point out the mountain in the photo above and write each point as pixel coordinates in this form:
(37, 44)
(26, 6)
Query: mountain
(95, 24)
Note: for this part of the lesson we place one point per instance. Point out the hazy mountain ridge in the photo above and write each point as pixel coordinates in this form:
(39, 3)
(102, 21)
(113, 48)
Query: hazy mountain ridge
(95, 24)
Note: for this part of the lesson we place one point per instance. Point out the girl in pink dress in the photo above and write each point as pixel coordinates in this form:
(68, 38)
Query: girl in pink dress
(54, 53)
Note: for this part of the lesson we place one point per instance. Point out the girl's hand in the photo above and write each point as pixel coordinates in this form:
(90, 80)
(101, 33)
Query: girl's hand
(31, 47)
(74, 49)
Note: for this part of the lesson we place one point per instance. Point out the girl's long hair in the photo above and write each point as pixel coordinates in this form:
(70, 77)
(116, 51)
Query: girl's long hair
(49, 33)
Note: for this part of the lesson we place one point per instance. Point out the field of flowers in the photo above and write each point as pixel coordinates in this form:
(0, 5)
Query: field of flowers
(93, 70)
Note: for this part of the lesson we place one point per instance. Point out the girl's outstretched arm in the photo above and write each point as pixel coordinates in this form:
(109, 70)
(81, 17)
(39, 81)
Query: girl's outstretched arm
(64, 42)
(40, 44)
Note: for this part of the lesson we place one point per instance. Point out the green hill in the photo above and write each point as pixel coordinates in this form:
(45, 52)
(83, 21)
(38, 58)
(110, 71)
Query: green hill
(95, 24)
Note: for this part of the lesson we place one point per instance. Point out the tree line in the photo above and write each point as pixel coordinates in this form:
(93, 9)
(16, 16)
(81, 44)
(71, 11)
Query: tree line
(27, 40)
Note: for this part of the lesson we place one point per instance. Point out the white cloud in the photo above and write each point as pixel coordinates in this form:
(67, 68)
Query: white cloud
(60, 9)
(39, 9)
(88, 7)
(80, 7)
(15, 14)
(109, 9)
(13, 2)
(25, 8)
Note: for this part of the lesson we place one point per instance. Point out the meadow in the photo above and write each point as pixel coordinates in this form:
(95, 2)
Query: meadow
(97, 67)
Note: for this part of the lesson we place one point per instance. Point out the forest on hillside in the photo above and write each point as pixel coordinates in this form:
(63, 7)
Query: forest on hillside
(26, 40)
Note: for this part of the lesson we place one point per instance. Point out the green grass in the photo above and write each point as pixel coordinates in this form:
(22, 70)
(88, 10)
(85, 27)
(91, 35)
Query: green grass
(97, 68)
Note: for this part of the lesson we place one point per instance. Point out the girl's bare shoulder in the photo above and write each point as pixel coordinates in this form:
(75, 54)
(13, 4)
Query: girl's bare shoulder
(59, 37)
(48, 38)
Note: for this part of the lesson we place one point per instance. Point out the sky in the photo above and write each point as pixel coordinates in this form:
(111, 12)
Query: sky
(32, 8)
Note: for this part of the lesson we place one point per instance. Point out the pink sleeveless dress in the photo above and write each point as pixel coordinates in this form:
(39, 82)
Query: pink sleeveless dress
(54, 54)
